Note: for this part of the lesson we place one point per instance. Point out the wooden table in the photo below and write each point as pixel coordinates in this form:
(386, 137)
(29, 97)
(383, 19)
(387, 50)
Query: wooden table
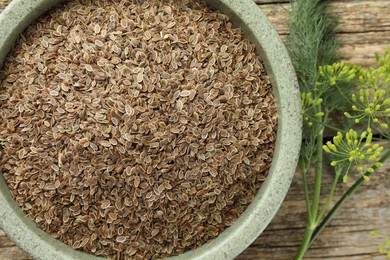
(364, 28)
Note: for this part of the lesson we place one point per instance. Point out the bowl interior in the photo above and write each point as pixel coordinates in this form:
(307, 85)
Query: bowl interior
(245, 14)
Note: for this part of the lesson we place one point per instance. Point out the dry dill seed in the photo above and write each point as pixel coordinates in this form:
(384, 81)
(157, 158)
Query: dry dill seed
(148, 132)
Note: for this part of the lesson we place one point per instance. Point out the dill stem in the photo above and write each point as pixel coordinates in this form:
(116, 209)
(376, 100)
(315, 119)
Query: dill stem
(329, 197)
(313, 210)
(306, 191)
(306, 240)
(318, 170)
(334, 128)
(341, 201)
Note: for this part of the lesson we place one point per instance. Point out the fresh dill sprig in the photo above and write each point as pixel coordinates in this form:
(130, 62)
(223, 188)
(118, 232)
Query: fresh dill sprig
(327, 85)
(312, 41)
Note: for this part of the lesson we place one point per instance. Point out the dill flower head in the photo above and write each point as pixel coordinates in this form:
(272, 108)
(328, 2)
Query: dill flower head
(308, 108)
(353, 150)
(372, 101)
(337, 72)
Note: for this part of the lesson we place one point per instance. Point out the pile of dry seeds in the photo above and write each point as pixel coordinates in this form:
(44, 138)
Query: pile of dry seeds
(135, 129)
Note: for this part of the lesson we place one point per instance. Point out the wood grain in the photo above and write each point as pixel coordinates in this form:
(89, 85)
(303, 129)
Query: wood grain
(364, 28)
(348, 235)
(354, 17)
(360, 48)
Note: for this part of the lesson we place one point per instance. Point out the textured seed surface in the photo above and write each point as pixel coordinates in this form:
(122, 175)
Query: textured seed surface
(135, 129)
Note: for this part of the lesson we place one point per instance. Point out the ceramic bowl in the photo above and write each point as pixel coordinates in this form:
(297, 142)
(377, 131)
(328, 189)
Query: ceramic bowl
(231, 242)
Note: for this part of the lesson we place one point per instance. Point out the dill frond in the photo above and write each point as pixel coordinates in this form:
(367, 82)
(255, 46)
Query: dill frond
(312, 40)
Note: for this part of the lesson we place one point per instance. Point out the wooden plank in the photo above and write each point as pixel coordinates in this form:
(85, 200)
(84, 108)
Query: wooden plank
(13, 253)
(354, 16)
(348, 235)
(3, 4)
(360, 48)
(364, 27)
